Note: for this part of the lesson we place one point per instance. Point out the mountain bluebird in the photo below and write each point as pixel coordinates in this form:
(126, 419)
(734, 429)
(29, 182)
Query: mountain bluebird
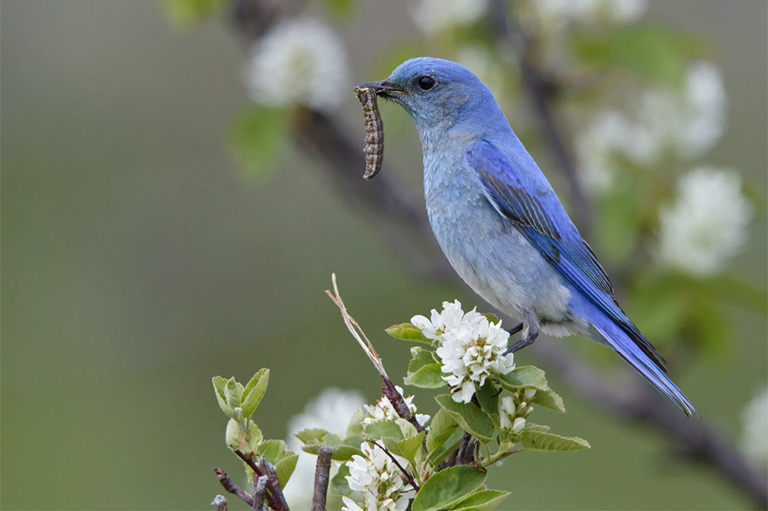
(501, 225)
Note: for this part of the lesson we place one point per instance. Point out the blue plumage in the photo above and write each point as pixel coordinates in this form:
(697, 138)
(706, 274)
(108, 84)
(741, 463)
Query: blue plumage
(500, 223)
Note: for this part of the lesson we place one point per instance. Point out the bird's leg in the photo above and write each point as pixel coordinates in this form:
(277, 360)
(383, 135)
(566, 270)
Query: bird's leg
(530, 329)
(515, 329)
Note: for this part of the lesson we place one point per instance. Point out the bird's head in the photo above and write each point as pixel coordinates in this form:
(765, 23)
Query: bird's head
(435, 92)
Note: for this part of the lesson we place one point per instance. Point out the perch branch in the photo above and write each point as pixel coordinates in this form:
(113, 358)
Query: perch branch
(322, 474)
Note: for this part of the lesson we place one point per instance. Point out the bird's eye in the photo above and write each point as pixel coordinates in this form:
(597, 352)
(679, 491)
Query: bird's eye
(426, 82)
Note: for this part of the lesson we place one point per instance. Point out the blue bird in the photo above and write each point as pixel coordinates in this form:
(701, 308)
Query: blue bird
(500, 223)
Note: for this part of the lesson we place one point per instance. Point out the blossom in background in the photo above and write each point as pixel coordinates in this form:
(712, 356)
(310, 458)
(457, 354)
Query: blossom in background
(380, 480)
(383, 410)
(609, 133)
(754, 442)
(707, 224)
(589, 11)
(482, 63)
(449, 318)
(299, 61)
(331, 410)
(436, 15)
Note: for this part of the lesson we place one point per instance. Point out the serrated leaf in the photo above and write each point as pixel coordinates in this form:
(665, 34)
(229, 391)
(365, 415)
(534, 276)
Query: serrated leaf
(406, 428)
(345, 452)
(407, 448)
(525, 377)
(447, 487)
(254, 436)
(285, 467)
(274, 451)
(549, 399)
(440, 429)
(219, 386)
(530, 426)
(407, 332)
(427, 377)
(475, 421)
(257, 137)
(312, 435)
(254, 391)
(381, 428)
(339, 485)
(538, 441)
(483, 500)
(355, 427)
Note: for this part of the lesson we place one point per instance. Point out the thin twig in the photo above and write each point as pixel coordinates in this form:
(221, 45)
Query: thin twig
(275, 498)
(231, 487)
(322, 475)
(408, 478)
(259, 492)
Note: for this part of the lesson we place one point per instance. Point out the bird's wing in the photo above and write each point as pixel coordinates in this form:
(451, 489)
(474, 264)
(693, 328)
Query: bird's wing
(537, 213)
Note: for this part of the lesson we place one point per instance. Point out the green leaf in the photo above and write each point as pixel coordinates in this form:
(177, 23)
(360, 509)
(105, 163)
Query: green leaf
(285, 467)
(530, 426)
(539, 441)
(254, 436)
(440, 429)
(488, 396)
(444, 489)
(407, 332)
(475, 421)
(254, 391)
(492, 318)
(343, 450)
(406, 428)
(525, 377)
(340, 8)
(245, 442)
(257, 137)
(656, 54)
(233, 392)
(420, 358)
(355, 427)
(187, 13)
(219, 385)
(447, 447)
(481, 501)
(312, 436)
(339, 485)
(427, 377)
(381, 428)
(548, 399)
(273, 451)
(407, 448)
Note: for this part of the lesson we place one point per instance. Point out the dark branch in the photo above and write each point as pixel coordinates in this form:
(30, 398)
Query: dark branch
(259, 492)
(399, 404)
(231, 487)
(275, 498)
(322, 475)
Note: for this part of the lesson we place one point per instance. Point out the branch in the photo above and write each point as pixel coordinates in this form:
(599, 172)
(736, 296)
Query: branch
(397, 214)
(408, 478)
(322, 474)
(231, 487)
(275, 497)
(259, 492)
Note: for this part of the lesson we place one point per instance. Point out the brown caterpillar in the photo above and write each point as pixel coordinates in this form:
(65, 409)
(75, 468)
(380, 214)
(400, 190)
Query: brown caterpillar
(374, 132)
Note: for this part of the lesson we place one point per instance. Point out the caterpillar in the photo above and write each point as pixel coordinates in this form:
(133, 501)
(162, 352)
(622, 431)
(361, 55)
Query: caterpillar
(374, 132)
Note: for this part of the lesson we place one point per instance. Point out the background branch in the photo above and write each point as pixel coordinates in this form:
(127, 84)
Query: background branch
(395, 213)
(322, 475)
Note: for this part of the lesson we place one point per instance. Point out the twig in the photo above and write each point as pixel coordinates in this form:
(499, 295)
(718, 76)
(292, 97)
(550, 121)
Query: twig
(275, 497)
(220, 503)
(259, 492)
(408, 478)
(389, 390)
(322, 474)
(231, 487)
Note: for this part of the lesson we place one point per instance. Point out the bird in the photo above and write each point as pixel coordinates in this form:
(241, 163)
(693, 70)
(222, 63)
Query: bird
(501, 225)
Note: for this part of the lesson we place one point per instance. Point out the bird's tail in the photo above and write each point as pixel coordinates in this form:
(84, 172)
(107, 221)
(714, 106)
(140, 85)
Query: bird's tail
(622, 344)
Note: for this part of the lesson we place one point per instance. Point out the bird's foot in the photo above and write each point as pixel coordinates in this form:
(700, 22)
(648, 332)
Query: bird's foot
(515, 329)
(530, 329)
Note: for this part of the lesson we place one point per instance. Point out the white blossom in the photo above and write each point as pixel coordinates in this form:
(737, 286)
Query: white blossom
(470, 353)
(380, 480)
(589, 11)
(610, 132)
(331, 410)
(507, 410)
(707, 224)
(436, 15)
(754, 442)
(299, 61)
(449, 318)
(383, 410)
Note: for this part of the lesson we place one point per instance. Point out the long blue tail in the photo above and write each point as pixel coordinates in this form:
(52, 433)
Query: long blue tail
(629, 350)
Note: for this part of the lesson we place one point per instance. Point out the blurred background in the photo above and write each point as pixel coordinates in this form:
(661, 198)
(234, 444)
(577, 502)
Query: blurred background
(163, 222)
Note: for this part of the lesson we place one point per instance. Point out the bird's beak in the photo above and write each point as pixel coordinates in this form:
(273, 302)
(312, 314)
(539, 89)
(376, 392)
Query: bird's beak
(382, 88)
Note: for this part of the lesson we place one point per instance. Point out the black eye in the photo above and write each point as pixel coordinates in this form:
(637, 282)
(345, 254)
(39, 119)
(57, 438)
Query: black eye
(426, 82)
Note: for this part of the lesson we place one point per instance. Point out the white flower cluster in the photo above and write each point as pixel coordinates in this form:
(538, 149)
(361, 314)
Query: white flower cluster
(433, 16)
(331, 411)
(688, 121)
(509, 414)
(754, 442)
(381, 482)
(471, 347)
(299, 61)
(383, 410)
(707, 224)
(589, 11)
